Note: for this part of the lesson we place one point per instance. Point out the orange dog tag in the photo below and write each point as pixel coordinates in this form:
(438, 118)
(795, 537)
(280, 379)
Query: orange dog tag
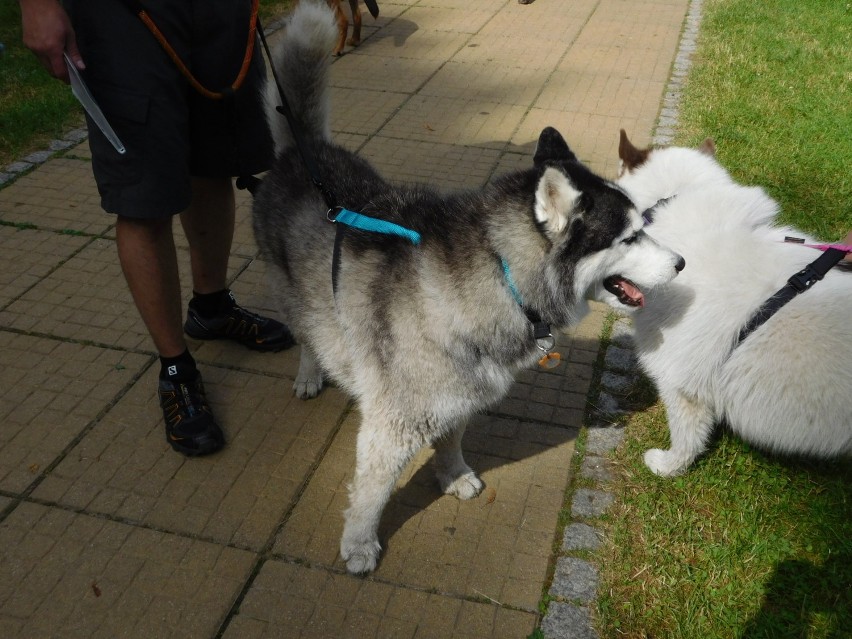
(550, 360)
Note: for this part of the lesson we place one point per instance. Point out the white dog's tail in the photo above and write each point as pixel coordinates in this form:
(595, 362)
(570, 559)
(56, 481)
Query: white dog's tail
(301, 61)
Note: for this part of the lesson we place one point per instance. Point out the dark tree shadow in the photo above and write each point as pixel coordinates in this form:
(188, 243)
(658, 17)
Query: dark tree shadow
(799, 590)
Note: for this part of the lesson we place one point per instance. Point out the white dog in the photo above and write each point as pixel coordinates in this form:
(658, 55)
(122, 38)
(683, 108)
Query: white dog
(786, 387)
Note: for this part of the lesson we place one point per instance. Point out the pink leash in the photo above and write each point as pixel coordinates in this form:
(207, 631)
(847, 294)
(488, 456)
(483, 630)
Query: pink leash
(824, 247)
(820, 247)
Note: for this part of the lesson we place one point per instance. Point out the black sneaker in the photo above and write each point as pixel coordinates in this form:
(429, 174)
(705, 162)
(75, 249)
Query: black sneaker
(190, 427)
(242, 326)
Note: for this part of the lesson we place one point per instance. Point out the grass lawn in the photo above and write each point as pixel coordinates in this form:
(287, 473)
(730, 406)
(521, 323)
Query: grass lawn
(35, 108)
(745, 545)
(772, 84)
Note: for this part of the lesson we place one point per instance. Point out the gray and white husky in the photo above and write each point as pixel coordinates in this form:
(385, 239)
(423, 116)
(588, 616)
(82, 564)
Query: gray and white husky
(425, 334)
(787, 387)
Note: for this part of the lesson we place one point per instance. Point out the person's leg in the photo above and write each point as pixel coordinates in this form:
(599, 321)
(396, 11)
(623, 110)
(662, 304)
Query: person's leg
(209, 227)
(213, 312)
(146, 250)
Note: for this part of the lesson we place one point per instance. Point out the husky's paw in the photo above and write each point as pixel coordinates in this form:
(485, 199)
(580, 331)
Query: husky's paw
(466, 486)
(307, 388)
(664, 462)
(360, 556)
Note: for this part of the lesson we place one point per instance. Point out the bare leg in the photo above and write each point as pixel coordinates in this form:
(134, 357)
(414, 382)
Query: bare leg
(209, 227)
(146, 251)
(454, 475)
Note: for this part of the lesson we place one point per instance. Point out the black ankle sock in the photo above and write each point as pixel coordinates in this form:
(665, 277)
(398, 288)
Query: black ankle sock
(178, 369)
(211, 304)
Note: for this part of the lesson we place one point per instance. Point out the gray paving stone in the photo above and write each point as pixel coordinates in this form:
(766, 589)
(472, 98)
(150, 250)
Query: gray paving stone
(580, 536)
(602, 440)
(77, 135)
(19, 167)
(596, 468)
(60, 145)
(38, 157)
(575, 580)
(615, 382)
(620, 359)
(622, 333)
(591, 503)
(606, 404)
(566, 621)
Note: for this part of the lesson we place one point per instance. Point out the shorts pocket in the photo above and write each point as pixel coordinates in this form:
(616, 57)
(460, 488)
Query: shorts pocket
(124, 105)
(127, 114)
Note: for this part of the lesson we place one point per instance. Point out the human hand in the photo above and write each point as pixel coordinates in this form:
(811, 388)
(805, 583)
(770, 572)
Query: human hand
(48, 33)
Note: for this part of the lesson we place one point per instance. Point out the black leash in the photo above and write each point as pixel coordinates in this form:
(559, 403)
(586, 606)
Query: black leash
(305, 151)
(798, 283)
(308, 158)
(372, 7)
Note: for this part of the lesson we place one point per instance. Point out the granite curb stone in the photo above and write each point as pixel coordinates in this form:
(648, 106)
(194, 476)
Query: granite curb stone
(566, 620)
(580, 536)
(575, 580)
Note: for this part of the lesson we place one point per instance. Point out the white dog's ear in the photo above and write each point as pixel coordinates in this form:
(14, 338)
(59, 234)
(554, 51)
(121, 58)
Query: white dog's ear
(556, 201)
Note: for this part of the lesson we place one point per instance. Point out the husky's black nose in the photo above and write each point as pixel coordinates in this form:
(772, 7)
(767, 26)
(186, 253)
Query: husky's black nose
(681, 263)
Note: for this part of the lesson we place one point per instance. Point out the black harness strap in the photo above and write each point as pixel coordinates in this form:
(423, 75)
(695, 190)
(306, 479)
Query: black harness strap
(798, 283)
(305, 151)
(373, 7)
(309, 159)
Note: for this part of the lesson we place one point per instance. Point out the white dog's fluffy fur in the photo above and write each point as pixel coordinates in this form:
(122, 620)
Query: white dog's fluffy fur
(787, 388)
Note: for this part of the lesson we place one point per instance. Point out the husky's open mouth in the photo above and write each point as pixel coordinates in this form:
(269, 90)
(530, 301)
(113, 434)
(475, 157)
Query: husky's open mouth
(625, 290)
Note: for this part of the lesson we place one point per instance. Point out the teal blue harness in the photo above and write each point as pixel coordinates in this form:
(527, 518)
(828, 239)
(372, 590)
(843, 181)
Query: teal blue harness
(374, 225)
(344, 218)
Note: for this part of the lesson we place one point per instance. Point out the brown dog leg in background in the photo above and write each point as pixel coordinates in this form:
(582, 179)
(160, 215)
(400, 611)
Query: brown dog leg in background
(355, 40)
(343, 22)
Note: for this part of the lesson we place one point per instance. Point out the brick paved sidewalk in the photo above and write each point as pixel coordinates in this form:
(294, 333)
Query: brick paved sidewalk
(106, 532)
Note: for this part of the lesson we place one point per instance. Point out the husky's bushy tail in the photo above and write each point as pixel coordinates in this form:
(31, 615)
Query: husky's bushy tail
(301, 61)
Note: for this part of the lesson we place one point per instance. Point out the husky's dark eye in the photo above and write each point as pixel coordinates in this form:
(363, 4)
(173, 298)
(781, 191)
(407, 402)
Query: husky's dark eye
(631, 239)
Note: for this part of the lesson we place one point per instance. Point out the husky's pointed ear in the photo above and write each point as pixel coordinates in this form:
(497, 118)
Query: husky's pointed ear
(630, 156)
(556, 201)
(708, 147)
(551, 146)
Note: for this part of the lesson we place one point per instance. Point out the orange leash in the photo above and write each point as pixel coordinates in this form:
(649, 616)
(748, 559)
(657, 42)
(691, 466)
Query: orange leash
(213, 95)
